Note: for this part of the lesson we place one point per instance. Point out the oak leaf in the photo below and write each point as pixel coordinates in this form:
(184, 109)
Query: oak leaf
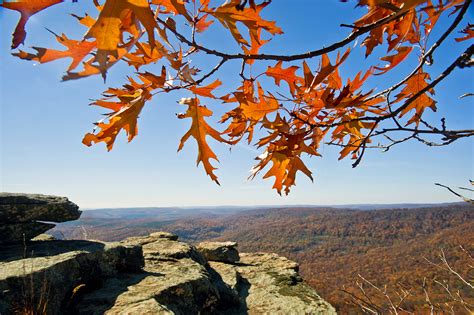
(413, 86)
(257, 110)
(203, 24)
(125, 117)
(91, 69)
(199, 130)
(26, 9)
(146, 54)
(77, 50)
(229, 15)
(107, 29)
(174, 6)
(288, 74)
(468, 31)
(206, 90)
(284, 149)
(394, 60)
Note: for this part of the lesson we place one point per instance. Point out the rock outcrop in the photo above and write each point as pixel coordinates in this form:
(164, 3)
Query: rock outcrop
(151, 275)
(270, 284)
(219, 251)
(49, 273)
(21, 215)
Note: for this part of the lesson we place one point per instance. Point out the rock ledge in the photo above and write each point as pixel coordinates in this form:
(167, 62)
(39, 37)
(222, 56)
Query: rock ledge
(21, 215)
(156, 274)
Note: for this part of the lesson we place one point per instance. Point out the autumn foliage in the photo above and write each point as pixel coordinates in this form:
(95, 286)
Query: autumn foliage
(291, 107)
(392, 248)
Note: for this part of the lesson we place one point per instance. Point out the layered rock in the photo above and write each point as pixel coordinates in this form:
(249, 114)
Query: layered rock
(270, 284)
(50, 273)
(153, 275)
(175, 280)
(219, 251)
(21, 215)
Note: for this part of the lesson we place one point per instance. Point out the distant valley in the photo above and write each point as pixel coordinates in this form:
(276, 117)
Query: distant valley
(332, 245)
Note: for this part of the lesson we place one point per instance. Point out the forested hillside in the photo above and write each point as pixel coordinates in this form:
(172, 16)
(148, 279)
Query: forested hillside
(334, 246)
(386, 247)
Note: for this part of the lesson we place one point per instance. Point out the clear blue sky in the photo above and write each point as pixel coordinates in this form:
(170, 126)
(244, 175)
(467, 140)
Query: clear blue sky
(43, 121)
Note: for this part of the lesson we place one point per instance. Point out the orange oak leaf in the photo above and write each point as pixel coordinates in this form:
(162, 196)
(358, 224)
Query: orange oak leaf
(85, 20)
(146, 54)
(26, 9)
(124, 117)
(352, 130)
(308, 76)
(229, 15)
(403, 29)
(199, 131)
(255, 44)
(405, 4)
(203, 24)
(126, 104)
(251, 110)
(284, 149)
(174, 6)
(469, 31)
(287, 74)
(258, 109)
(206, 90)
(394, 60)
(239, 124)
(152, 80)
(77, 50)
(328, 70)
(91, 69)
(415, 84)
(107, 29)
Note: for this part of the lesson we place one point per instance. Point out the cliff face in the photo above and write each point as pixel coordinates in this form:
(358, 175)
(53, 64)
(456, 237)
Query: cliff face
(156, 274)
(151, 275)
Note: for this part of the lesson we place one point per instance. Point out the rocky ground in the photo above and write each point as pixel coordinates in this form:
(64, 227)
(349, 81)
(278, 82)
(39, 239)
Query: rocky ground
(150, 275)
(156, 274)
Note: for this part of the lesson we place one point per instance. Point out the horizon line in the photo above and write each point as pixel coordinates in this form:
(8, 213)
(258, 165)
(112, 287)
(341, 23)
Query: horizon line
(280, 206)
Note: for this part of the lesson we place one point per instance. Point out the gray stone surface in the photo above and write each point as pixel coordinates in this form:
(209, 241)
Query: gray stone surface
(52, 270)
(174, 281)
(167, 235)
(20, 213)
(270, 284)
(151, 275)
(19, 232)
(28, 207)
(44, 237)
(219, 251)
(178, 280)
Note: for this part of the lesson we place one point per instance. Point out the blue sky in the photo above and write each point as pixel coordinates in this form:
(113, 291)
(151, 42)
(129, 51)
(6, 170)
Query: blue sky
(43, 121)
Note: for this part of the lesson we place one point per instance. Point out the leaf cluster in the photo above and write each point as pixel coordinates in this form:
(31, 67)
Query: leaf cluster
(300, 111)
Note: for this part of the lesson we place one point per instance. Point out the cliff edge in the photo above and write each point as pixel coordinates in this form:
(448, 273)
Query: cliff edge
(156, 274)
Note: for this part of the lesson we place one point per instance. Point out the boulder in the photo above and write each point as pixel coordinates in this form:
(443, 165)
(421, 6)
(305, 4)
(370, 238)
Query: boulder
(53, 272)
(167, 235)
(270, 284)
(28, 207)
(219, 251)
(174, 281)
(19, 214)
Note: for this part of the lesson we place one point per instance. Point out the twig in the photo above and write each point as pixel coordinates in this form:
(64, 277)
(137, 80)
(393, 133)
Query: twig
(311, 54)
